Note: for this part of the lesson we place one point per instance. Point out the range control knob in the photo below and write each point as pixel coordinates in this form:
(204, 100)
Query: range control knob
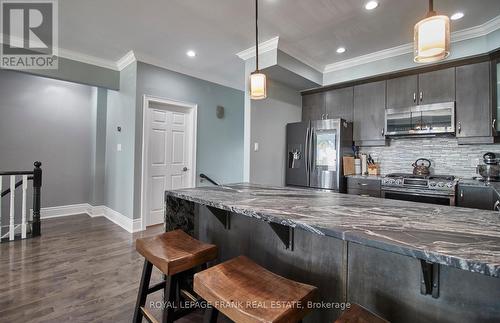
(432, 184)
(399, 182)
(450, 184)
(440, 184)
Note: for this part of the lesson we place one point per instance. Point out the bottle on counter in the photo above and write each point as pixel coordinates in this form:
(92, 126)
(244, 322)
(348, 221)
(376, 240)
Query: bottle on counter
(364, 164)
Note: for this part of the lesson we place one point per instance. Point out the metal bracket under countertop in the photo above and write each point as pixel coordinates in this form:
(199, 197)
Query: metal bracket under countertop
(285, 234)
(429, 278)
(223, 216)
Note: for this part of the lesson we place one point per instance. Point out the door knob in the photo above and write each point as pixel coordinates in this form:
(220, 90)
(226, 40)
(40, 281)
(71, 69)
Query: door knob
(185, 169)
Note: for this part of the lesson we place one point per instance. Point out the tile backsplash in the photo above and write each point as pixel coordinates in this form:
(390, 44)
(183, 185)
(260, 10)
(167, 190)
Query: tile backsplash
(446, 155)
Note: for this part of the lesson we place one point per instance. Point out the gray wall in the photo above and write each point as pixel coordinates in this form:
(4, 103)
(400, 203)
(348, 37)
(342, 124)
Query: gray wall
(219, 141)
(98, 149)
(78, 72)
(268, 128)
(47, 120)
(119, 169)
(446, 155)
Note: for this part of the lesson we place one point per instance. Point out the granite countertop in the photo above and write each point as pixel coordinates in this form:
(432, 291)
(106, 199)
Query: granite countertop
(464, 238)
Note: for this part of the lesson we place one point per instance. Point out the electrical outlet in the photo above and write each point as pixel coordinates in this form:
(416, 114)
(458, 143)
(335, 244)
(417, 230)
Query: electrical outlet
(119, 147)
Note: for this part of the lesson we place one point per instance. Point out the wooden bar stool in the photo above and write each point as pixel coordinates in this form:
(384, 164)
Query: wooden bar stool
(358, 314)
(173, 253)
(246, 292)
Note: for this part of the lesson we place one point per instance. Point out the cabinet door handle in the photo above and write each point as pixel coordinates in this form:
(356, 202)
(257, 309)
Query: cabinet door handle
(326, 116)
(414, 97)
(459, 127)
(421, 96)
(323, 116)
(461, 194)
(495, 207)
(363, 184)
(382, 132)
(493, 124)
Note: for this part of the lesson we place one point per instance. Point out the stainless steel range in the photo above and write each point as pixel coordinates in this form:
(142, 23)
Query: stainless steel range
(436, 189)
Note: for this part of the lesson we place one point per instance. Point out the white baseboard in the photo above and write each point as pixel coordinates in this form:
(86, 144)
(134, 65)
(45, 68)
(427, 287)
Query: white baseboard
(63, 210)
(131, 225)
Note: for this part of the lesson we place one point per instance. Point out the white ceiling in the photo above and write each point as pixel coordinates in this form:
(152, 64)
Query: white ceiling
(161, 31)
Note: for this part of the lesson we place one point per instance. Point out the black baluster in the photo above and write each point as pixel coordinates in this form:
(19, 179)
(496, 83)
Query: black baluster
(37, 184)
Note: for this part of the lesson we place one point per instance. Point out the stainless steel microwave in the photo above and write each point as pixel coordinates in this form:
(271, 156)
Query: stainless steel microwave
(437, 118)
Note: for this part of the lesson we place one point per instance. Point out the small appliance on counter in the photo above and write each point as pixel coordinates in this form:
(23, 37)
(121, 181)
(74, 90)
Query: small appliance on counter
(490, 171)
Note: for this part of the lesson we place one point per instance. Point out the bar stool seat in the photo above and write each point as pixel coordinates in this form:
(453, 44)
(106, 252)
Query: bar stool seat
(175, 251)
(246, 292)
(358, 314)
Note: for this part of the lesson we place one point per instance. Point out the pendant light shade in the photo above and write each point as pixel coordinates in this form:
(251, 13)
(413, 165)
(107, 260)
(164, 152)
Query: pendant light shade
(258, 85)
(431, 38)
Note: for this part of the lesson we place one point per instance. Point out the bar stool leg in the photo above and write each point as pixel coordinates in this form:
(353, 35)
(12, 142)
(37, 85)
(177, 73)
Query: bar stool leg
(143, 291)
(210, 315)
(170, 298)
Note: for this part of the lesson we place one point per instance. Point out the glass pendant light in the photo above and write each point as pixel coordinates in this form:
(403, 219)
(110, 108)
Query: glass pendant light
(258, 87)
(431, 40)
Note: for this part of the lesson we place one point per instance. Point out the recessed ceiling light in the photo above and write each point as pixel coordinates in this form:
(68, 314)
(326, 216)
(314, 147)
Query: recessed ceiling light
(457, 15)
(341, 50)
(370, 5)
(191, 53)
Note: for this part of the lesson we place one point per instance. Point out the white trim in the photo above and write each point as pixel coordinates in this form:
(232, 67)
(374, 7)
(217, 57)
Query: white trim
(63, 210)
(264, 47)
(126, 60)
(87, 59)
(461, 35)
(145, 142)
(131, 225)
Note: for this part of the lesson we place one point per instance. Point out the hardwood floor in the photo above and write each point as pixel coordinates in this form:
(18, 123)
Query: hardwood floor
(81, 269)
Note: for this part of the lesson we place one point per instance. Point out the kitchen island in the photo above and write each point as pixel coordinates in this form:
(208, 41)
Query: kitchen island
(409, 262)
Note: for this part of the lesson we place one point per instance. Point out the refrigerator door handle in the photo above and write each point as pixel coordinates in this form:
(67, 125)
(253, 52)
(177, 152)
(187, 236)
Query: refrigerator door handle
(311, 150)
(306, 151)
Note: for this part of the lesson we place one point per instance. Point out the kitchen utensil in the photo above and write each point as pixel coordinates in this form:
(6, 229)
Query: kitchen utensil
(490, 171)
(421, 167)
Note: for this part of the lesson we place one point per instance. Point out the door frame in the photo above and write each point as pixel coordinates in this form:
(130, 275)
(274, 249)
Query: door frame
(192, 113)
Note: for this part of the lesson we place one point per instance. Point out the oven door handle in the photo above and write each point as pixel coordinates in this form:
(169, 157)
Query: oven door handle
(416, 194)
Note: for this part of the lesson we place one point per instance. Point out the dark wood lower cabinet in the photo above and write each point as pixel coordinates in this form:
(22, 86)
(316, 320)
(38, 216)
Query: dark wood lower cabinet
(386, 283)
(476, 197)
(364, 186)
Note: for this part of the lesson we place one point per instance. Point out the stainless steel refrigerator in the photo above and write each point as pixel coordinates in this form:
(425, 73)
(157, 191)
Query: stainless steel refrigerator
(314, 153)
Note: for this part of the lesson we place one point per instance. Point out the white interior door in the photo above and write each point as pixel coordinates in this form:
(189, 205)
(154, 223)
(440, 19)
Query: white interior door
(169, 155)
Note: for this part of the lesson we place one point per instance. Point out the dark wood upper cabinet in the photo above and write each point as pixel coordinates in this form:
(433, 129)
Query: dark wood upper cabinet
(369, 114)
(339, 104)
(402, 92)
(474, 113)
(313, 106)
(437, 86)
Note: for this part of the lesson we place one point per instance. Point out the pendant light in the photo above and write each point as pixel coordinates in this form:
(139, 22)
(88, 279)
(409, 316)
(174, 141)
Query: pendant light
(258, 87)
(431, 40)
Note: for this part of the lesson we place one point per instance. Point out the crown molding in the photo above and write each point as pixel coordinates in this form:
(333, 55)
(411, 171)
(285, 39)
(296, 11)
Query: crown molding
(87, 59)
(126, 60)
(264, 47)
(457, 36)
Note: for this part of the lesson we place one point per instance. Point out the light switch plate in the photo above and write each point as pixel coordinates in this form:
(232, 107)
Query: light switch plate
(119, 147)
(255, 146)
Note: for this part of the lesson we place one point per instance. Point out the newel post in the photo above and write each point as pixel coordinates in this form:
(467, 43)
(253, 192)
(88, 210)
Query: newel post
(37, 184)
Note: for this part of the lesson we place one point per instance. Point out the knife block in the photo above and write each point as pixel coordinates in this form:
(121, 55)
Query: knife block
(374, 169)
